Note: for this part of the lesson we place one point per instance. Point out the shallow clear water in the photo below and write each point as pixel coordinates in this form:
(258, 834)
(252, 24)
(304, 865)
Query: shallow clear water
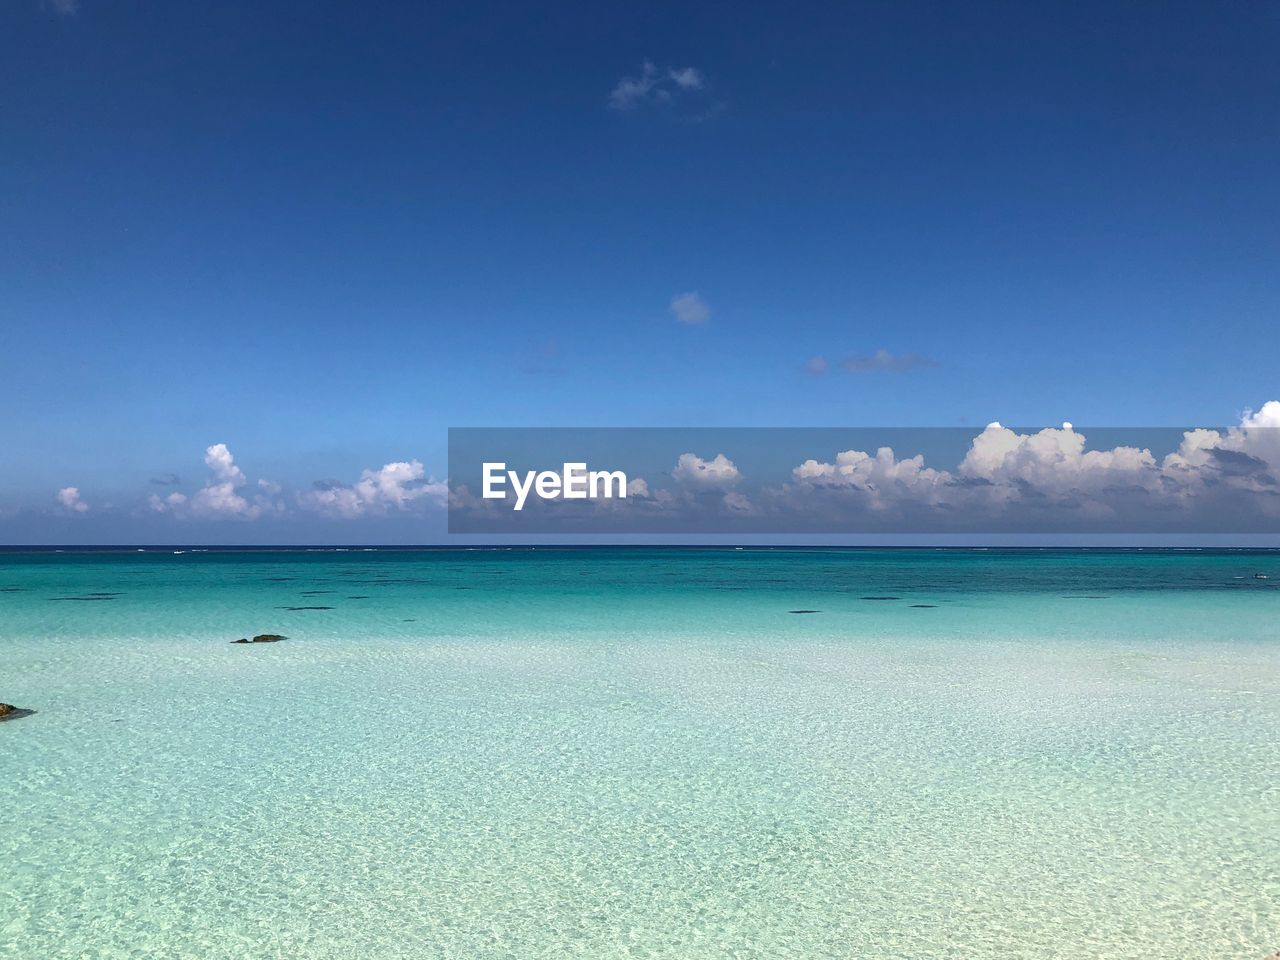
(641, 753)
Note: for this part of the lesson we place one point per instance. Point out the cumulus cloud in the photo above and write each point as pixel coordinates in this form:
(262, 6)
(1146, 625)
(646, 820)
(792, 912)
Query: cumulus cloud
(884, 361)
(224, 493)
(690, 308)
(655, 85)
(1049, 476)
(881, 479)
(1055, 462)
(393, 486)
(221, 495)
(228, 493)
(698, 474)
(69, 499)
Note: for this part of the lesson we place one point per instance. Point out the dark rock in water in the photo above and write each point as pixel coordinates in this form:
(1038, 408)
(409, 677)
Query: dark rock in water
(360, 596)
(9, 712)
(924, 606)
(879, 598)
(306, 608)
(804, 611)
(262, 638)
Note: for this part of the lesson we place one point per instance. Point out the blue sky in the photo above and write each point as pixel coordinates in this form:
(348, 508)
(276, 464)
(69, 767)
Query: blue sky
(323, 233)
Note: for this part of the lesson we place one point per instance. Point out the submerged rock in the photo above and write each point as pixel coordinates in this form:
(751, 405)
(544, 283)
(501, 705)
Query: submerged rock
(9, 712)
(262, 638)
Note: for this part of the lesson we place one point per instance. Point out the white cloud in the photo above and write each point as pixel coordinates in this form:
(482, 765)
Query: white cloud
(1050, 475)
(881, 480)
(655, 85)
(170, 504)
(393, 486)
(698, 474)
(688, 78)
(690, 308)
(69, 499)
(221, 496)
(1055, 462)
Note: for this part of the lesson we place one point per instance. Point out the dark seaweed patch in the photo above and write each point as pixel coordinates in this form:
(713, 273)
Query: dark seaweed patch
(304, 608)
(924, 606)
(358, 597)
(804, 611)
(12, 589)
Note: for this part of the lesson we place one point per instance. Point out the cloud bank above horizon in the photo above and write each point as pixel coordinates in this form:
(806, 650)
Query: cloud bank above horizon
(1048, 479)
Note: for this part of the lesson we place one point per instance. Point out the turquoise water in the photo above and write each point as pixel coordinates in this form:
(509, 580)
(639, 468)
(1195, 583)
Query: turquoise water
(641, 753)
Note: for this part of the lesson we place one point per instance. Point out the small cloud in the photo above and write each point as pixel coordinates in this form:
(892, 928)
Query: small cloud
(394, 485)
(169, 504)
(687, 78)
(69, 498)
(655, 85)
(883, 360)
(816, 366)
(690, 308)
(65, 8)
(717, 474)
